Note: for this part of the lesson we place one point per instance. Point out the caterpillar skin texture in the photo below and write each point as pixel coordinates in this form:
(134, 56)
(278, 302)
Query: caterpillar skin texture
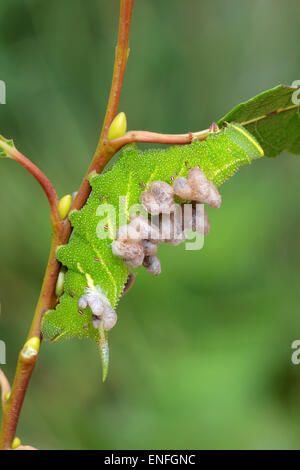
(89, 260)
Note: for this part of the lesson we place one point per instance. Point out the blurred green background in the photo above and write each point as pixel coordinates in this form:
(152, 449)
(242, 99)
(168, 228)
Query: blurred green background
(201, 356)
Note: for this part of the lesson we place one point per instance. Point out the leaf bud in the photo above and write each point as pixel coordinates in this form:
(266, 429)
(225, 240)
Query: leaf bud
(31, 348)
(59, 289)
(16, 443)
(64, 205)
(118, 127)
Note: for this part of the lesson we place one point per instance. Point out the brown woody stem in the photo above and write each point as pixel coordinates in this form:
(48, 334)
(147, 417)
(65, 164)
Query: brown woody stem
(12, 407)
(103, 154)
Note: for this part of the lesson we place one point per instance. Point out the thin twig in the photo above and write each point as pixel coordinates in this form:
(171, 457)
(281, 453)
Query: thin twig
(102, 154)
(154, 138)
(41, 178)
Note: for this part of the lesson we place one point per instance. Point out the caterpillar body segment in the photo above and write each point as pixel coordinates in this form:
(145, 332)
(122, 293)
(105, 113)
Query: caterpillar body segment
(88, 256)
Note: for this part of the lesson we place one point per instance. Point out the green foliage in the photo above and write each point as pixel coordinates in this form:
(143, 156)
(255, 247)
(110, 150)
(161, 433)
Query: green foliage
(273, 118)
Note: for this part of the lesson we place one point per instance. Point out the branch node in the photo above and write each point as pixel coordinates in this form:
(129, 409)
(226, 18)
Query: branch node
(30, 350)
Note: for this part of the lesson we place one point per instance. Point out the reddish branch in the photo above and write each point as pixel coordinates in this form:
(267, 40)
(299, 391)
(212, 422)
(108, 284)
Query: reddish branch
(42, 179)
(102, 156)
(154, 138)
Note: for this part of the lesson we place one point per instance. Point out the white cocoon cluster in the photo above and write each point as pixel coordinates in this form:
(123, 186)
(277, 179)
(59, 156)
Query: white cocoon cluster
(152, 264)
(137, 242)
(171, 227)
(182, 189)
(144, 229)
(127, 249)
(150, 248)
(195, 218)
(100, 306)
(197, 187)
(159, 198)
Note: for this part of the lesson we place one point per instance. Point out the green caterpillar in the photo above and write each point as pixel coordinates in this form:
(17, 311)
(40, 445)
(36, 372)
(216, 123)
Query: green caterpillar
(89, 259)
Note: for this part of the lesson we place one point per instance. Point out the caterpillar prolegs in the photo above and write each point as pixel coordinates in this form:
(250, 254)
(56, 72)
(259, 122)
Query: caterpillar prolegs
(100, 255)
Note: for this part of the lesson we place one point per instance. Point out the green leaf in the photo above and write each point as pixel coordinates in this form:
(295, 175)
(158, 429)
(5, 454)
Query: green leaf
(273, 117)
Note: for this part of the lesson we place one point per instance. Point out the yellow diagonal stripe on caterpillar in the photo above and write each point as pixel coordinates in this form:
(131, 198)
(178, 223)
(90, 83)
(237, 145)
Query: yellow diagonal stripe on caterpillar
(249, 137)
